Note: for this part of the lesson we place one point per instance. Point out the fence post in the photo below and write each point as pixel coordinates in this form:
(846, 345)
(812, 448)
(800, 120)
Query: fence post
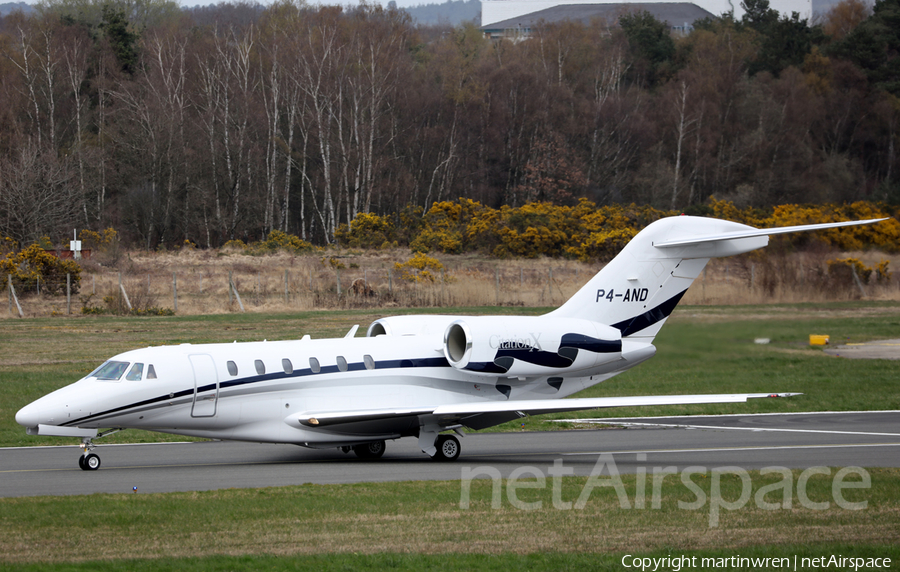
(337, 273)
(862, 291)
(233, 288)
(124, 293)
(550, 283)
(391, 281)
(68, 293)
(497, 284)
(175, 292)
(230, 289)
(286, 286)
(13, 297)
(442, 286)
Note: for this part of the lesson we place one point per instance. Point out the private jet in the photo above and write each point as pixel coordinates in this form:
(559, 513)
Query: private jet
(426, 377)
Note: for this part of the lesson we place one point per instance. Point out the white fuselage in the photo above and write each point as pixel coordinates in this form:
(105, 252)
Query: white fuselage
(250, 391)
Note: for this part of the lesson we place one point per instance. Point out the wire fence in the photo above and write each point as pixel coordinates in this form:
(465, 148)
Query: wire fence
(215, 290)
(312, 283)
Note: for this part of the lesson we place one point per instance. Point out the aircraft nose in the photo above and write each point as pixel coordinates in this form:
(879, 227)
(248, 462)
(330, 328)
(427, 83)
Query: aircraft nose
(28, 416)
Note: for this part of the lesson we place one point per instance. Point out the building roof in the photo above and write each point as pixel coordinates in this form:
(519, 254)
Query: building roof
(677, 14)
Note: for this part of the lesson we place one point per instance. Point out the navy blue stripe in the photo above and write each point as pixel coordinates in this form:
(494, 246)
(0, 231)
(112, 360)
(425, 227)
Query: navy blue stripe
(536, 357)
(650, 317)
(297, 373)
(598, 346)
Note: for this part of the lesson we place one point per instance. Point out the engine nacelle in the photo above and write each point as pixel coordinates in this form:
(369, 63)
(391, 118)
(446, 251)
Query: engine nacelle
(529, 346)
(409, 326)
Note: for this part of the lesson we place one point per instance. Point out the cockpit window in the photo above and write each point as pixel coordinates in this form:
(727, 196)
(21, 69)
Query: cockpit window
(137, 370)
(151, 372)
(110, 371)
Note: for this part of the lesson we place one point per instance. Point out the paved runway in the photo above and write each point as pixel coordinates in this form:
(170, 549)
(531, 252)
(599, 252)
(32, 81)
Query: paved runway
(869, 439)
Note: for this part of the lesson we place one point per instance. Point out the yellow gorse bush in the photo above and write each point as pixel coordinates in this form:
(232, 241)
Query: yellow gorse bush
(28, 266)
(420, 268)
(588, 232)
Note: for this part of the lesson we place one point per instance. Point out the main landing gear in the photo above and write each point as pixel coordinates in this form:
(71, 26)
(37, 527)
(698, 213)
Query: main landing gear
(447, 448)
(89, 461)
(373, 450)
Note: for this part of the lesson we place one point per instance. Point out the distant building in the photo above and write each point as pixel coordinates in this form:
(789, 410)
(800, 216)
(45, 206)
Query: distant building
(495, 11)
(679, 15)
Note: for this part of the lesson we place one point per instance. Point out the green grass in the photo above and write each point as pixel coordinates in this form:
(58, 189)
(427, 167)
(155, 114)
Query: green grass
(403, 562)
(406, 524)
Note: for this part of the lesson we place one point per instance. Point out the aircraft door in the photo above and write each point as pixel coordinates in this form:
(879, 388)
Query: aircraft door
(206, 386)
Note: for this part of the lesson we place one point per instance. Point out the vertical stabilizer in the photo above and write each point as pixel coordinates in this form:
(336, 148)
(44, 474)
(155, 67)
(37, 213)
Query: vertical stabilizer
(641, 286)
(638, 290)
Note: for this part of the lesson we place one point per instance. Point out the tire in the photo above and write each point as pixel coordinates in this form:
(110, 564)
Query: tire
(448, 448)
(373, 450)
(91, 462)
(81, 463)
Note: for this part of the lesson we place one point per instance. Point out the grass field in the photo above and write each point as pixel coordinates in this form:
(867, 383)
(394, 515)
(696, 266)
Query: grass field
(410, 523)
(420, 525)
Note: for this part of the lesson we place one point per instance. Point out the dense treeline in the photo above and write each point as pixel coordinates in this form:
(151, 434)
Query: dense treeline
(232, 121)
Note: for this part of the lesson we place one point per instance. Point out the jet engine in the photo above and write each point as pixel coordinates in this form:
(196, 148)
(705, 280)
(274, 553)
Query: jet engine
(529, 346)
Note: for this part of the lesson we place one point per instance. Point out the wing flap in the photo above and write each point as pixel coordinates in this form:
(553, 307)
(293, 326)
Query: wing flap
(541, 406)
(482, 414)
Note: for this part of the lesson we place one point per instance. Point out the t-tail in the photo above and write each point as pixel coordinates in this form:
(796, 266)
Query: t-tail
(637, 291)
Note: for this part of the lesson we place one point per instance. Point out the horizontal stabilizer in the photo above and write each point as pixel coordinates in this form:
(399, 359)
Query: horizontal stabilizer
(760, 232)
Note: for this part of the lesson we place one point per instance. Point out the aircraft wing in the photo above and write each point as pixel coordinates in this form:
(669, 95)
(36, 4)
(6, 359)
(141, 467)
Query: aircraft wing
(483, 414)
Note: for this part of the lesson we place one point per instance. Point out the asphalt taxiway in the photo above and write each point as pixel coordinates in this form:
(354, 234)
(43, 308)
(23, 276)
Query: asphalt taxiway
(865, 439)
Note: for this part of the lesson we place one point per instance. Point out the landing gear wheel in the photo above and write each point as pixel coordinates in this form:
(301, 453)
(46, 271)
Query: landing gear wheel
(89, 462)
(448, 448)
(373, 450)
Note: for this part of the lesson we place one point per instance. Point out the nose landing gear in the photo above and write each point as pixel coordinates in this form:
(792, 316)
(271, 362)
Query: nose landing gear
(89, 461)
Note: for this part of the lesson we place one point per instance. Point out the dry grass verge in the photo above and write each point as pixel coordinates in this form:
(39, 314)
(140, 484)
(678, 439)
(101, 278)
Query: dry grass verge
(284, 282)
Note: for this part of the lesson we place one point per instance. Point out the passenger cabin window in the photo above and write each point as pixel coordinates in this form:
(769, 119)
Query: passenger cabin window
(260, 366)
(288, 366)
(232, 368)
(342, 363)
(137, 370)
(151, 372)
(370, 363)
(110, 371)
(314, 365)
